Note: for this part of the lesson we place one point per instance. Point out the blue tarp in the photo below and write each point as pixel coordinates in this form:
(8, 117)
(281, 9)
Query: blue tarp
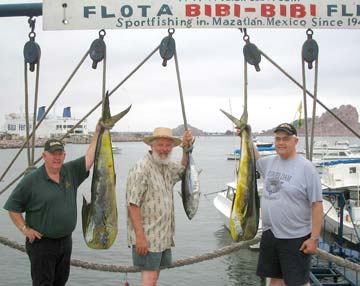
(336, 162)
(260, 149)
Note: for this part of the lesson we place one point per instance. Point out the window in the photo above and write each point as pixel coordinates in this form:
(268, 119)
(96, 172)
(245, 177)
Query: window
(22, 126)
(11, 127)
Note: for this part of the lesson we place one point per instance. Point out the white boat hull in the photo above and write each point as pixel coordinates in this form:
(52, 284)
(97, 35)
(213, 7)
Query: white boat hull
(332, 222)
(223, 203)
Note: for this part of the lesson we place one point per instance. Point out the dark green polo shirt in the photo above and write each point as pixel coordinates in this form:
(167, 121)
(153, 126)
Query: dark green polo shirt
(50, 208)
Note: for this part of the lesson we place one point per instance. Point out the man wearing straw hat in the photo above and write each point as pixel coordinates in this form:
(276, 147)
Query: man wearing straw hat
(149, 198)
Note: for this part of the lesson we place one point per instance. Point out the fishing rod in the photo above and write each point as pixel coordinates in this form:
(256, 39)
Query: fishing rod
(213, 193)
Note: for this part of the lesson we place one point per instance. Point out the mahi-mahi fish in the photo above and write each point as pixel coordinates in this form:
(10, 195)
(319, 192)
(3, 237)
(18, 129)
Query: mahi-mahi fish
(190, 187)
(244, 216)
(100, 217)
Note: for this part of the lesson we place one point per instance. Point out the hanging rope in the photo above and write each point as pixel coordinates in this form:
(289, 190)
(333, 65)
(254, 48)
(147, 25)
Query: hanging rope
(80, 121)
(98, 54)
(43, 117)
(32, 54)
(309, 54)
(167, 51)
(310, 94)
(180, 90)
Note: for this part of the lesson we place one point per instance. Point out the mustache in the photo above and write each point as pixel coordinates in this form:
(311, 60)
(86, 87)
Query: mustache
(159, 160)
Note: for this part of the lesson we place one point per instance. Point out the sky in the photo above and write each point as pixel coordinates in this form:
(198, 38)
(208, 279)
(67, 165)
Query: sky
(211, 69)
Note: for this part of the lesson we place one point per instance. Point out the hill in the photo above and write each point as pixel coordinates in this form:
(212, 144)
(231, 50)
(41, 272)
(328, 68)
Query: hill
(179, 131)
(328, 125)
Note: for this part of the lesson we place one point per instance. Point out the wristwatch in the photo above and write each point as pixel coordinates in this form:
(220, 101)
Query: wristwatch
(315, 238)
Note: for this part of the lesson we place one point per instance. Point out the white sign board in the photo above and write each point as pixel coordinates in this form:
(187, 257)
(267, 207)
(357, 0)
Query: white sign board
(159, 14)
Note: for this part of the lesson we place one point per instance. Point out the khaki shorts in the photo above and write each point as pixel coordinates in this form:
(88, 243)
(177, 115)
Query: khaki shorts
(152, 260)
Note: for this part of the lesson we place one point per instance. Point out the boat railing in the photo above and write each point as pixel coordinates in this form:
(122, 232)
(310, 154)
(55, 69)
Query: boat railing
(339, 198)
(325, 272)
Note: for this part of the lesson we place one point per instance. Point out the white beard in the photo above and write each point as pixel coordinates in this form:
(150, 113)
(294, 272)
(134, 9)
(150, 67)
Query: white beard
(159, 160)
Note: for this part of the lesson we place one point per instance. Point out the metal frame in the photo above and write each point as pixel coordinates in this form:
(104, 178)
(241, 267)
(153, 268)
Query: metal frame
(25, 9)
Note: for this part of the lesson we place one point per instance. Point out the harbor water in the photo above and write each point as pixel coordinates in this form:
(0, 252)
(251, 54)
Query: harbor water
(204, 233)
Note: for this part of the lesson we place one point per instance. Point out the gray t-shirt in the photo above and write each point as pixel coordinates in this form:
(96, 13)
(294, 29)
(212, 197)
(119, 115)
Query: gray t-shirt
(290, 188)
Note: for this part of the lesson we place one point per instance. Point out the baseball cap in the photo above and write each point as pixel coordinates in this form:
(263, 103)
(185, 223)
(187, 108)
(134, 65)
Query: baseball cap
(286, 127)
(53, 145)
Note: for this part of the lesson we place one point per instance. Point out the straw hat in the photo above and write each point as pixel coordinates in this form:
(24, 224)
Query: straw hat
(162, 132)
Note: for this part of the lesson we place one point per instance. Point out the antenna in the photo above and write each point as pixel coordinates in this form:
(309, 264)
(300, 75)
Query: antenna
(234, 141)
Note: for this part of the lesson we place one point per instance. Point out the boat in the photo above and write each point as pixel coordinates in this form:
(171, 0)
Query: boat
(342, 219)
(325, 273)
(261, 144)
(264, 151)
(322, 147)
(51, 125)
(323, 151)
(341, 199)
(334, 157)
(354, 148)
(223, 202)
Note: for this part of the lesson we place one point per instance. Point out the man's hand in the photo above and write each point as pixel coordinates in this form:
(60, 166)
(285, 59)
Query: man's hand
(99, 125)
(187, 139)
(141, 245)
(31, 234)
(309, 246)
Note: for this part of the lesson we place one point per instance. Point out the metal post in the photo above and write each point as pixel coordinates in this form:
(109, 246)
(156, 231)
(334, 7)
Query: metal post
(25, 9)
(341, 225)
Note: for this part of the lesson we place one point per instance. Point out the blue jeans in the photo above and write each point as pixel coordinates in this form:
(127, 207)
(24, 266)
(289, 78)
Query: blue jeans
(50, 260)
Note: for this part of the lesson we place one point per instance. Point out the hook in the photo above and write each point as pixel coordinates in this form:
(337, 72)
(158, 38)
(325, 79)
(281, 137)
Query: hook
(246, 37)
(32, 22)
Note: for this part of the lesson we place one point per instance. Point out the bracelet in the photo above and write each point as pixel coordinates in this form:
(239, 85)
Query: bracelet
(315, 238)
(23, 227)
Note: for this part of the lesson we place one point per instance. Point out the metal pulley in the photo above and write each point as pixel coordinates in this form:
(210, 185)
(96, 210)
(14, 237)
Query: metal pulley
(251, 53)
(32, 53)
(98, 49)
(167, 47)
(310, 49)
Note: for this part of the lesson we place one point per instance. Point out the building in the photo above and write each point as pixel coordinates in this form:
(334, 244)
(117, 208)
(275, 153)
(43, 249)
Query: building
(51, 126)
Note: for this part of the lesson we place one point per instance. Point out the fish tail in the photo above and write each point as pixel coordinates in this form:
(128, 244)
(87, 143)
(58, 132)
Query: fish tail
(239, 123)
(108, 120)
(120, 115)
(236, 121)
(85, 215)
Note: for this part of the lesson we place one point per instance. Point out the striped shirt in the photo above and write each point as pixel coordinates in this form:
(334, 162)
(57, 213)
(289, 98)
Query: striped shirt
(150, 187)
